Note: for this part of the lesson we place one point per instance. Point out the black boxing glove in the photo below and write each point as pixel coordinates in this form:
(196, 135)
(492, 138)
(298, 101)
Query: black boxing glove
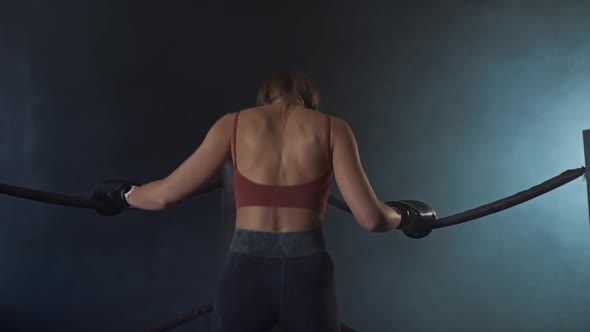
(113, 192)
(417, 217)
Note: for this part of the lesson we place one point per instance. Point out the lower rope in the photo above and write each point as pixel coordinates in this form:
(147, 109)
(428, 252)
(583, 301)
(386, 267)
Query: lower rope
(183, 319)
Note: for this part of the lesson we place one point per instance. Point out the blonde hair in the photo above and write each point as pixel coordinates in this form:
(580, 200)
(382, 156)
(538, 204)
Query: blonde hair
(293, 87)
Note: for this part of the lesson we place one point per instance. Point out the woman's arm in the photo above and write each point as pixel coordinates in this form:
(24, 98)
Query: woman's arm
(193, 174)
(367, 209)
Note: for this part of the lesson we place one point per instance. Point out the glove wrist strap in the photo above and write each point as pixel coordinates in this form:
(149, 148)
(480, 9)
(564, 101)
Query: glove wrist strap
(405, 217)
(125, 192)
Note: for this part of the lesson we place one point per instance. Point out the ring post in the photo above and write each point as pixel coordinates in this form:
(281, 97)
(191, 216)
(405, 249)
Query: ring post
(586, 135)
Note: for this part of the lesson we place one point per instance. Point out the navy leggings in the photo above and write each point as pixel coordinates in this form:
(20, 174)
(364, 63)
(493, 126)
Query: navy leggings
(274, 279)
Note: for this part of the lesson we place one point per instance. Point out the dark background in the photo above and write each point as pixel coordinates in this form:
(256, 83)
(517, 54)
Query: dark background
(457, 103)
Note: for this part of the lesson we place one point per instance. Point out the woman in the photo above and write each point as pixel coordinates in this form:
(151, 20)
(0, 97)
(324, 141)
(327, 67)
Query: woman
(277, 270)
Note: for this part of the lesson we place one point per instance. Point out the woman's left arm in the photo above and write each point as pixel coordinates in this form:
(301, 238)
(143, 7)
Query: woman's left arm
(192, 175)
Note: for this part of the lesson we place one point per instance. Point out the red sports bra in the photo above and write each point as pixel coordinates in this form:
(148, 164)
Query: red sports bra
(312, 195)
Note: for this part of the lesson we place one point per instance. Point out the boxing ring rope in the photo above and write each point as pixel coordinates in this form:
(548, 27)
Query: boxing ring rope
(181, 320)
(497, 206)
(72, 201)
(478, 212)
(459, 218)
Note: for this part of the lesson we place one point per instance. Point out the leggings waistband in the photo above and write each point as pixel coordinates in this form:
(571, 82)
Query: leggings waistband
(278, 244)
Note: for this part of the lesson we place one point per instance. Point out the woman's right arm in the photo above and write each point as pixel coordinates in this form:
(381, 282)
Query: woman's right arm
(354, 185)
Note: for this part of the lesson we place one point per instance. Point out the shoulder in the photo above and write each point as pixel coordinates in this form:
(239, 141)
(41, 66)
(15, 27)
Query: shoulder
(225, 121)
(223, 126)
(338, 123)
(340, 130)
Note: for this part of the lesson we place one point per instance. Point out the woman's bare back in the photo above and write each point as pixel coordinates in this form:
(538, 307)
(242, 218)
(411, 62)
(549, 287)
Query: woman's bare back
(280, 148)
